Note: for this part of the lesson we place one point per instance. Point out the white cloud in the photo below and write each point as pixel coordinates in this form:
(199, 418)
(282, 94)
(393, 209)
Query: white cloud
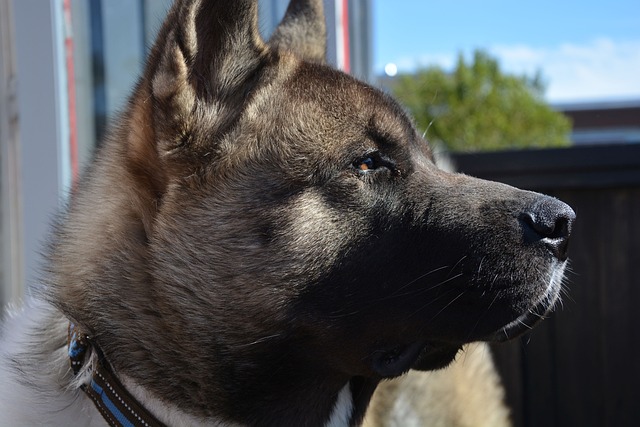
(596, 70)
(600, 69)
(412, 63)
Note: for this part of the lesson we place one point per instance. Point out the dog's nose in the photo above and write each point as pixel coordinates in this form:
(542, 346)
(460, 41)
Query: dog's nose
(548, 220)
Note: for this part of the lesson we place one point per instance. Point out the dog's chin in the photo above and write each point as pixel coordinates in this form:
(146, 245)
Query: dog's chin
(522, 324)
(531, 317)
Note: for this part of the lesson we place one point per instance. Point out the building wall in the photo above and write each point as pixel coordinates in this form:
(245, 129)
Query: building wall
(604, 122)
(41, 154)
(11, 260)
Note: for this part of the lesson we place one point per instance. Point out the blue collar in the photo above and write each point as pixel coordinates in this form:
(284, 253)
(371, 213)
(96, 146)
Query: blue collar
(117, 406)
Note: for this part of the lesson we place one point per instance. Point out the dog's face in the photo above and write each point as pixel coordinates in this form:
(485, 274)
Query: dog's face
(323, 216)
(291, 224)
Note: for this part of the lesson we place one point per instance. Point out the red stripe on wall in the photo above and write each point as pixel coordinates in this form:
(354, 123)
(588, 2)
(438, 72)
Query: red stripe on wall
(345, 38)
(71, 90)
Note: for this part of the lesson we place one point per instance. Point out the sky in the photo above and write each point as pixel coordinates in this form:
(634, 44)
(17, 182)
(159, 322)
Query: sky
(586, 50)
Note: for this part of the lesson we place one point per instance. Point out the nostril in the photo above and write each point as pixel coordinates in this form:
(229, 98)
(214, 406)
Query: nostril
(548, 227)
(562, 228)
(549, 220)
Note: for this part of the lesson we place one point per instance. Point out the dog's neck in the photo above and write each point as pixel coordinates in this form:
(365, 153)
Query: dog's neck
(348, 409)
(121, 401)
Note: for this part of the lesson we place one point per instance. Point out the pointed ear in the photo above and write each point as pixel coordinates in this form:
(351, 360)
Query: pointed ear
(302, 30)
(207, 51)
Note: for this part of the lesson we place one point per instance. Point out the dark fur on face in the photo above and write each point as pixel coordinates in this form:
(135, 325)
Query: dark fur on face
(260, 230)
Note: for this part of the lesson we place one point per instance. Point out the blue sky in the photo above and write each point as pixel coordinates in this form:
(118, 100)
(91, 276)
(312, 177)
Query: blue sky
(586, 50)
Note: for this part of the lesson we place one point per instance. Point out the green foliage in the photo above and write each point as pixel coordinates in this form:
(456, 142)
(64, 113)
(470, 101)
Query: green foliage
(477, 107)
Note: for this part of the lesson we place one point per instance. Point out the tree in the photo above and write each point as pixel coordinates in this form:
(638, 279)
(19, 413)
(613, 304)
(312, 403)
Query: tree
(477, 107)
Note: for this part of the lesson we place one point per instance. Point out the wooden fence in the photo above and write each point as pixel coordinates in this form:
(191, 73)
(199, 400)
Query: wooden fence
(581, 367)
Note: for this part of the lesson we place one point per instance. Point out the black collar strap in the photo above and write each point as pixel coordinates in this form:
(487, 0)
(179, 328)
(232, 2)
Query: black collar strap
(114, 402)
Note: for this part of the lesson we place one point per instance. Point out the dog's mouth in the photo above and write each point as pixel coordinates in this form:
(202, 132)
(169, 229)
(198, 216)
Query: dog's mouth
(428, 356)
(424, 356)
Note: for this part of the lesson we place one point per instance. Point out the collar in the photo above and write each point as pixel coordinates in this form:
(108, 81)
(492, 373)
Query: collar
(117, 406)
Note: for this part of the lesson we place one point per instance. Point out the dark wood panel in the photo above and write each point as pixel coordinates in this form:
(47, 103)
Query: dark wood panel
(553, 169)
(578, 323)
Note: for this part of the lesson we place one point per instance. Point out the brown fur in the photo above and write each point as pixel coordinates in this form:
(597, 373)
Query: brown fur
(261, 234)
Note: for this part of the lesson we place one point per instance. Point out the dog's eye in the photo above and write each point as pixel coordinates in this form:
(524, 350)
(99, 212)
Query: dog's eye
(373, 162)
(366, 164)
(370, 162)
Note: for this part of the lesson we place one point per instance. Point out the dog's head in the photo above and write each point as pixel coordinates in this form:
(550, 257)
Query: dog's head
(261, 224)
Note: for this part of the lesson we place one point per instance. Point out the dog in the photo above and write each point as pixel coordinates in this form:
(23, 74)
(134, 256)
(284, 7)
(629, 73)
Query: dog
(262, 240)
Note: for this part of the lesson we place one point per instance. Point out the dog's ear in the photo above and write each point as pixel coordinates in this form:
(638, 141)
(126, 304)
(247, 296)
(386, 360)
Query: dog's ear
(198, 76)
(302, 31)
(206, 55)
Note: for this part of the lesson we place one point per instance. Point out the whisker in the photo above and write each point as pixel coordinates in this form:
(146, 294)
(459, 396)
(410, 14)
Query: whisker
(258, 341)
(525, 325)
(449, 304)
(480, 265)
(458, 263)
(421, 291)
(418, 292)
(495, 297)
(422, 276)
(430, 302)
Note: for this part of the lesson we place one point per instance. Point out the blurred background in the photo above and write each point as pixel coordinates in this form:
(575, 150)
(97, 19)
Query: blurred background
(543, 95)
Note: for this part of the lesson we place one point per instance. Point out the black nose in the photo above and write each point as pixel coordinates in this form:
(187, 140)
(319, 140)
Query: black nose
(548, 220)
